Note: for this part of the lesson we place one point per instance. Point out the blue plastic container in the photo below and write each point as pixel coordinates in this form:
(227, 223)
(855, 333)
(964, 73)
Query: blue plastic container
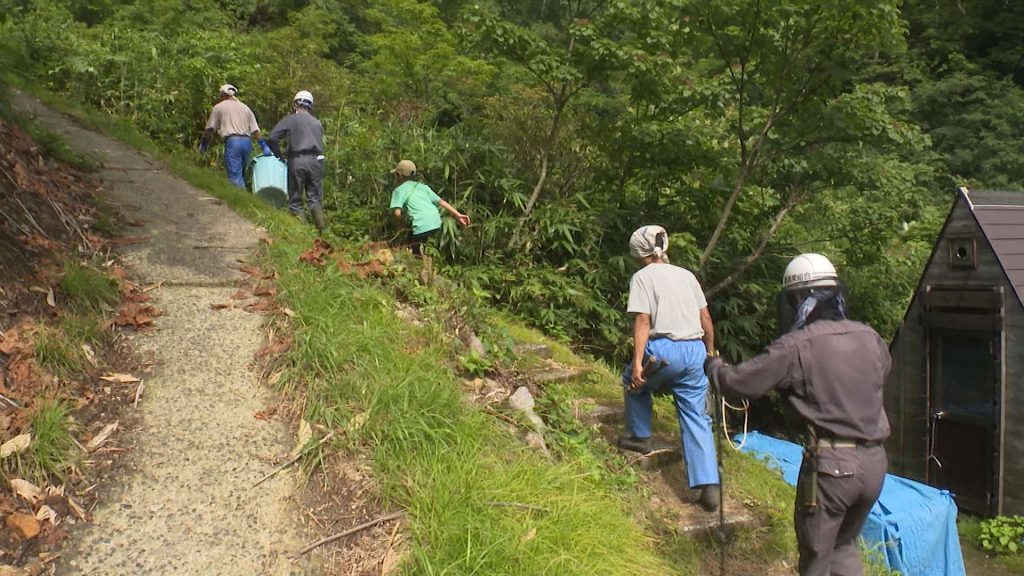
(270, 179)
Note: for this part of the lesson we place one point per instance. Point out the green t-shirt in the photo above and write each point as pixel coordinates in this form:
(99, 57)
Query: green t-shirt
(420, 204)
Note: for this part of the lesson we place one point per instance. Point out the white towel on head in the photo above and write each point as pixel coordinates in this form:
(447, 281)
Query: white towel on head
(649, 240)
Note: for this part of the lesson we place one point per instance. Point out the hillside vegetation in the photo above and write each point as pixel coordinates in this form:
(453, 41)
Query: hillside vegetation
(751, 130)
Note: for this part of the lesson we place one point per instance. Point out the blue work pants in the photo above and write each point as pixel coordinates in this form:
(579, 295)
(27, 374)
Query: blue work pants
(237, 151)
(684, 379)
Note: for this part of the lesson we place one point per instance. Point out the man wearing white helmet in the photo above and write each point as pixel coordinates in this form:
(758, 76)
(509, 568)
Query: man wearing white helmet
(305, 154)
(832, 370)
(672, 335)
(235, 123)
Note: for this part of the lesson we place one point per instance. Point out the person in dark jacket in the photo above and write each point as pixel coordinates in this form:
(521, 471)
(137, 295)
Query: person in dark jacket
(305, 155)
(832, 370)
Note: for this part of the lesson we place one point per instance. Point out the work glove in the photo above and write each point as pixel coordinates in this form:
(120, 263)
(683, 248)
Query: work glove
(204, 145)
(266, 149)
(711, 366)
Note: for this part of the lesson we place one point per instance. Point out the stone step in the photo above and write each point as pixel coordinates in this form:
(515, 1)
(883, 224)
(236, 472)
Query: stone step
(532, 349)
(553, 374)
(701, 522)
(600, 414)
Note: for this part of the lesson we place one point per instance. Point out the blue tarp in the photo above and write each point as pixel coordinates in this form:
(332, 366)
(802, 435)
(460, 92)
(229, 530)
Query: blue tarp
(912, 526)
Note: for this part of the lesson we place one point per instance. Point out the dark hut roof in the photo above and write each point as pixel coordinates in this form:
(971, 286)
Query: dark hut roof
(1001, 217)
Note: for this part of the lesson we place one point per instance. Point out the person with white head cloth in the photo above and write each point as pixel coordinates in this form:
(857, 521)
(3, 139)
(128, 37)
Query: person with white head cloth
(673, 334)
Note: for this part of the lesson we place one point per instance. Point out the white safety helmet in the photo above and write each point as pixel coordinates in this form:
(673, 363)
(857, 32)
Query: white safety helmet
(303, 98)
(809, 271)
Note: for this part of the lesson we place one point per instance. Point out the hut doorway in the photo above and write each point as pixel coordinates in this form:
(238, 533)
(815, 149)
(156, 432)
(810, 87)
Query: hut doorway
(964, 394)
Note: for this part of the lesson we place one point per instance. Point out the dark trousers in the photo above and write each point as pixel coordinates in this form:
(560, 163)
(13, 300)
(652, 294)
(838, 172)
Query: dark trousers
(416, 241)
(305, 179)
(849, 481)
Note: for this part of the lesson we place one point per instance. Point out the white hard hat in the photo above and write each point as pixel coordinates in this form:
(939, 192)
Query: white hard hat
(809, 271)
(303, 97)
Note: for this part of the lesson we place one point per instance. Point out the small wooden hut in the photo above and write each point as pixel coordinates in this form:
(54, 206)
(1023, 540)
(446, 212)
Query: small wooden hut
(955, 396)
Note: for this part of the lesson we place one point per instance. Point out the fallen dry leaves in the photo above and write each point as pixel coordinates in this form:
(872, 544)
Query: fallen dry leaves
(101, 438)
(317, 254)
(275, 346)
(376, 266)
(136, 315)
(265, 414)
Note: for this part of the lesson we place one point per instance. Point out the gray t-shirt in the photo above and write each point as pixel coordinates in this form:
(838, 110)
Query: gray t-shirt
(673, 298)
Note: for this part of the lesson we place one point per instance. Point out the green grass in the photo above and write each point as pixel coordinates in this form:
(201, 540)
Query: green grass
(86, 328)
(52, 449)
(58, 354)
(443, 461)
(52, 445)
(86, 288)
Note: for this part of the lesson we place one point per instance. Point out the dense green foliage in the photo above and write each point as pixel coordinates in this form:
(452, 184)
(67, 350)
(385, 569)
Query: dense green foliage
(752, 130)
(1003, 534)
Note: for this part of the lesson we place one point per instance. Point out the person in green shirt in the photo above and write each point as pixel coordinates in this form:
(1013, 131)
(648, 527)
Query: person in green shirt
(419, 204)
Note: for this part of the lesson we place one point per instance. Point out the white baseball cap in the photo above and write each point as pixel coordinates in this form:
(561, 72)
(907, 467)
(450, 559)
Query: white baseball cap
(228, 89)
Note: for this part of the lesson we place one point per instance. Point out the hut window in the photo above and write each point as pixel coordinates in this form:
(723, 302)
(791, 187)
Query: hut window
(961, 252)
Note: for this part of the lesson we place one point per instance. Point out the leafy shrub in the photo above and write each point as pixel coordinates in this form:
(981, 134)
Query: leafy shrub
(1003, 534)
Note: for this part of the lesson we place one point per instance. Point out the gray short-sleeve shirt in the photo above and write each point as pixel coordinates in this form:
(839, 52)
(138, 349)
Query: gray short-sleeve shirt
(672, 296)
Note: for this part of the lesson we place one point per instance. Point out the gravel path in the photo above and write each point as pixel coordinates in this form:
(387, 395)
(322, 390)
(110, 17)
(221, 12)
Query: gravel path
(185, 505)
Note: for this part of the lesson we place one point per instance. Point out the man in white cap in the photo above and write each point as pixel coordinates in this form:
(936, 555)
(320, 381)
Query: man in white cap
(235, 123)
(419, 204)
(672, 337)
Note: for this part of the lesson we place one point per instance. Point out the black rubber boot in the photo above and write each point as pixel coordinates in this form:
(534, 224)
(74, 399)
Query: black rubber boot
(641, 445)
(318, 218)
(710, 494)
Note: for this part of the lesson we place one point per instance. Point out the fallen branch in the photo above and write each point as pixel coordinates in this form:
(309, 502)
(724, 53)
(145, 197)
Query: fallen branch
(138, 392)
(391, 545)
(349, 532)
(636, 459)
(293, 460)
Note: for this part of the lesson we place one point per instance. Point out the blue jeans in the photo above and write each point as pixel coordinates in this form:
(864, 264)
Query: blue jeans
(684, 379)
(237, 151)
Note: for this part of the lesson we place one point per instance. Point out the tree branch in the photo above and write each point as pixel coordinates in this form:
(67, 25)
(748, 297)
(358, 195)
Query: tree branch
(792, 200)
